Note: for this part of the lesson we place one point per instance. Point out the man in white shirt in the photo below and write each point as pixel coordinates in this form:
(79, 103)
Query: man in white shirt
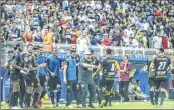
(145, 25)
(82, 17)
(98, 5)
(125, 38)
(82, 42)
(133, 43)
(157, 41)
(129, 31)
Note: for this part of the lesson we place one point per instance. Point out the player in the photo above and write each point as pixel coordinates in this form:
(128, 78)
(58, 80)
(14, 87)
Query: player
(70, 78)
(159, 68)
(172, 71)
(96, 74)
(42, 73)
(77, 57)
(15, 67)
(8, 71)
(21, 77)
(32, 81)
(54, 82)
(109, 68)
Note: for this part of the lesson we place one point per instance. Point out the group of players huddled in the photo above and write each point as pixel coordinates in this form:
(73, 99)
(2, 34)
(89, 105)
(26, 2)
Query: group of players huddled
(32, 70)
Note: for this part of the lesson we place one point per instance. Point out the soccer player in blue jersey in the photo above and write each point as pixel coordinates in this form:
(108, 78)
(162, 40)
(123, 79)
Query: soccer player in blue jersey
(42, 73)
(54, 82)
(70, 78)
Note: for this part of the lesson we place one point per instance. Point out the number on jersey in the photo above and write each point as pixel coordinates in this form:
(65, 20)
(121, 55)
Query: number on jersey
(162, 65)
(112, 67)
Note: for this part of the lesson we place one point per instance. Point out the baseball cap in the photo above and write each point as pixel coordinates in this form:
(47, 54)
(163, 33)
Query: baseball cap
(62, 51)
(87, 52)
(73, 46)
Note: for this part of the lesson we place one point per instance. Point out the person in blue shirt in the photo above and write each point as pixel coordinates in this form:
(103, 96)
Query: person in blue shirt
(70, 78)
(54, 82)
(42, 73)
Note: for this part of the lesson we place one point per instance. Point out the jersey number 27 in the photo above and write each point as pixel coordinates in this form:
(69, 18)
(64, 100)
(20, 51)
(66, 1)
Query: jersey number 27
(162, 66)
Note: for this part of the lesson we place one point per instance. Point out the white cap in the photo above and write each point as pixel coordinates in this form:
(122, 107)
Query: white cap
(62, 51)
(87, 52)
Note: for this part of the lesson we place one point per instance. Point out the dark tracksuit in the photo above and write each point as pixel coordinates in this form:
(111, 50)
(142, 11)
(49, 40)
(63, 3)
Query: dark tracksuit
(86, 81)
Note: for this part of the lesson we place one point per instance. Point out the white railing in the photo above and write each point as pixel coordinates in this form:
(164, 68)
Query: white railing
(99, 50)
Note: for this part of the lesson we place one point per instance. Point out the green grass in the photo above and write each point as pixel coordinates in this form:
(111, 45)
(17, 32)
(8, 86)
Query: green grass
(116, 105)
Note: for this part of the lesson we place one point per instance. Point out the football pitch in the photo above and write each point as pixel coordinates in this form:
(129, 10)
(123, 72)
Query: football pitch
(115, 105)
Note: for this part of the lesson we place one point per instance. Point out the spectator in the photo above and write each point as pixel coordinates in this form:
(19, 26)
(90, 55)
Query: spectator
(94, 17)
(157, 41)
(83, 42)
(133, 43)
(38, 38)
(165, 42)
(48, 41)
(125, 39)
(106, 41)
(96, 40)
(28, 37)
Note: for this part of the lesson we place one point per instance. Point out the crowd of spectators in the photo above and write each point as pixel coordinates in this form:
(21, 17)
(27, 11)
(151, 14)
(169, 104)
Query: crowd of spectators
(120, 23)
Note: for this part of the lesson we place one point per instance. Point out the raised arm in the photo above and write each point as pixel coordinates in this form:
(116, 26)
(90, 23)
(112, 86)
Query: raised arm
(65, 67)
(39, 66)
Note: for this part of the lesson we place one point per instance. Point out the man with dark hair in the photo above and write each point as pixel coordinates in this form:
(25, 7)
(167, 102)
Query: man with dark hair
(32, 81)
(96, 74)
(15, 76)
(7, 73)
(54, 82)
(42, 73)
(70, 79)
(160, 67)
(172, 71)
(22, 86)
(19, 52)
(109, 67)
(139, 95)
(124, 78)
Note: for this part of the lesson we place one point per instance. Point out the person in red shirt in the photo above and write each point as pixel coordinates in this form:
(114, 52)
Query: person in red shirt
(106, 41)
(124, 78)
(165, 42)
(157, 13)
(102, 22)
(62, 22)
(74, 38)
